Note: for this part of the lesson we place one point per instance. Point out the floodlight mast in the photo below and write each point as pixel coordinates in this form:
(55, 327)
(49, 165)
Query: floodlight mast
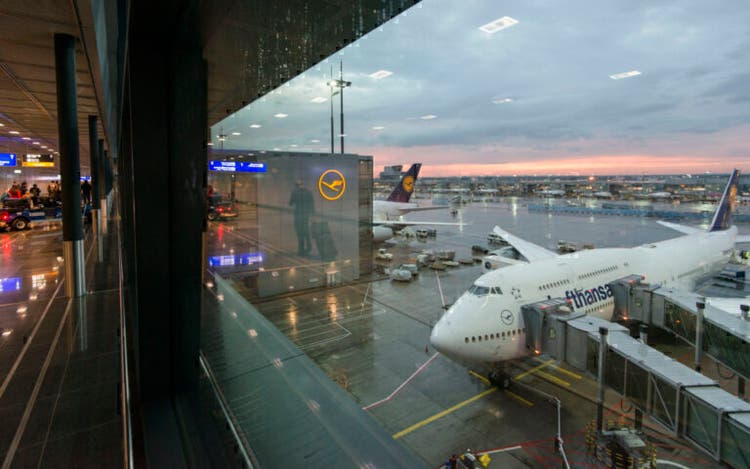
(339, 84)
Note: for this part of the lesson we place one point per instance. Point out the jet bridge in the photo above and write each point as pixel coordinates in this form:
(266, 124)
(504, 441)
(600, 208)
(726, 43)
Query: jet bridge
(687, 403)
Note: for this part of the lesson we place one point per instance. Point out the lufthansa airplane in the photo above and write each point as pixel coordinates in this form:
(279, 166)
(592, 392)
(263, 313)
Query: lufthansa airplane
(485, 324)
(387, 214)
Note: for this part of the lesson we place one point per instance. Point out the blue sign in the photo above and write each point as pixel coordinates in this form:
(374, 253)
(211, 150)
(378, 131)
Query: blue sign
(10, 284)
(237, 166)
(7, 159)
(249, 258)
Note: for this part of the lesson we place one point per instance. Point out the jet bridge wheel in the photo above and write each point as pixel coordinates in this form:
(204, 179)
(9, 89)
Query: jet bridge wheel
(500, 379)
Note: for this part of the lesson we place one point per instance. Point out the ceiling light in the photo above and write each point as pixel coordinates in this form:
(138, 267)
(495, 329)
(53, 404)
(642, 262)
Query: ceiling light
(255, 126)
(620, 76)
(318, 100)
(236, 134)
(14, 132)
(502, 100)
(378, 127)
(498, 25)
(36, 143)
(315, 141)
(44, 147)
(25, 138)
(276, 149)
(428, 117)
(210, 144)
(293, 145)
(342, 135)
(280, 115)
(2, 125)
(380, 74)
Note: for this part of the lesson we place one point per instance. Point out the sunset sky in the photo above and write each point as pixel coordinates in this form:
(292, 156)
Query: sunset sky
(536, 97)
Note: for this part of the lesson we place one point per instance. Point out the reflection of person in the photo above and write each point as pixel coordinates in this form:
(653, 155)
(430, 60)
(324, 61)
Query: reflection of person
(302, 201)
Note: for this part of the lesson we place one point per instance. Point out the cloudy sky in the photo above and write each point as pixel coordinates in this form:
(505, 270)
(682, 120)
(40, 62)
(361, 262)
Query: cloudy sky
(536, 97)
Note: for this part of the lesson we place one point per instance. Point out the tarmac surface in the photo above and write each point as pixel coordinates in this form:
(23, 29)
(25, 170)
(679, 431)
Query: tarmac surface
(372, 338)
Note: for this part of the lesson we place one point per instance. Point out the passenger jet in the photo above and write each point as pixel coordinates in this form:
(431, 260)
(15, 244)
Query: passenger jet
(485, 324)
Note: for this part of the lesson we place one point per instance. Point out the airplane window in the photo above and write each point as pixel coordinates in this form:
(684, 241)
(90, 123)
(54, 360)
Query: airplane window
(479, 290)
(514, 332)
(486, 337)
(466, 339)
(503, 334)
(473, 339)
(492, 336)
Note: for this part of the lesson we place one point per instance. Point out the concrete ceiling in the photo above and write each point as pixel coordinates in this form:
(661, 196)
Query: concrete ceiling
(251, 47)
(28, 103)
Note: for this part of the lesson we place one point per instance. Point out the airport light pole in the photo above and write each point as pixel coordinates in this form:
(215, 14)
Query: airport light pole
(340, 84)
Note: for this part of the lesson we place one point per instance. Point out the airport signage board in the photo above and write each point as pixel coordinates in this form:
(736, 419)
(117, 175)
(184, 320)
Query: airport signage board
(249, 258)
(38, 161)
(236, 166)
(10, 284)
(7, 159)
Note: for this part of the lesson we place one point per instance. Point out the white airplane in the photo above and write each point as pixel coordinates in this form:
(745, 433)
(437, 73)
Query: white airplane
(485, 324)
(551, 192)
(387, 215)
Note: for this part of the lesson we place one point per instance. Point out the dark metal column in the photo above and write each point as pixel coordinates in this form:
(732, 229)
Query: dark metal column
(94, 157)
(603, 333)
(100, 201)
(70, 170)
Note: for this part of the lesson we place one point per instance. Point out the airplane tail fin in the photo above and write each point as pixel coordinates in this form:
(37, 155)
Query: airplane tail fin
(723, 216)
(402, 192)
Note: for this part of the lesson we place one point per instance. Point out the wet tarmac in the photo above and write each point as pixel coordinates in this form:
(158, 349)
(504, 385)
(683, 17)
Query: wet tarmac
(372, 338)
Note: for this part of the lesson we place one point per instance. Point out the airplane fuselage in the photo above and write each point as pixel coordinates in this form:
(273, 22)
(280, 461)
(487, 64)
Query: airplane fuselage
(486, 325)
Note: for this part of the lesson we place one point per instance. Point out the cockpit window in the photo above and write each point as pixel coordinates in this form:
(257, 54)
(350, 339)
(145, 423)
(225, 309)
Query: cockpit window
(496, 291)
(479, 290)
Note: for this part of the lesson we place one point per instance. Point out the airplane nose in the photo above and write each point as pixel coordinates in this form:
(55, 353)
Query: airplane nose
(440, 338)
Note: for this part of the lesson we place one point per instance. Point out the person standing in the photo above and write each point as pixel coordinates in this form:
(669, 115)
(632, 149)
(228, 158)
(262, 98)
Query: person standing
(86, 192)
(302, 201)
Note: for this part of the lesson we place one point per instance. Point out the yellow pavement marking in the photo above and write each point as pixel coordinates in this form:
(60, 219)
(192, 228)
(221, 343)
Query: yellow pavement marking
(552, 378)
(520, 399)
(562, 370)
(533, 370)
(442, 414)
(480, 377)
(567, 372)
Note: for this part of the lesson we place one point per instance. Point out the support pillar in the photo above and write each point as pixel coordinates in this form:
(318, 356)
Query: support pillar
(638, 419)
(643, 331)
(603, 333)
(701, 306)
(70, 169)
(101, 200)
(93, 203)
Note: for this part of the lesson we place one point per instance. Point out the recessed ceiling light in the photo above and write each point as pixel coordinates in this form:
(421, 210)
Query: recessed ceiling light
(44, 146)
(428, 117)
(14, 132)
(280, 115)
(236, 134)
(498, 25)
(620, 76)
(342, 135)
(25, 138)
(315, 141)
(380, 74)
(255, 126)
(2, 125)
(36, 143)
(318, 99)
(378, 127)
(276, 149)
(502, 100)
(293, 145)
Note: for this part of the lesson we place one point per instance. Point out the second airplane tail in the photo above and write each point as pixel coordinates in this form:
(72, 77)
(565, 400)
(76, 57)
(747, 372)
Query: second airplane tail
(723, 216)
(402, 192)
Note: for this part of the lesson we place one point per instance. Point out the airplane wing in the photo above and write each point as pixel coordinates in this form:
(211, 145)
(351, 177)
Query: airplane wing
(742, 239)
(529, 250)
(404, 211)
(415, 223)
(681, 228)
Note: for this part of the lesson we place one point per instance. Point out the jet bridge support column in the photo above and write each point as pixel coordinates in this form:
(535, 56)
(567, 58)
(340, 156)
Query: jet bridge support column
(603, 332)
(701, 306)
(643, 332)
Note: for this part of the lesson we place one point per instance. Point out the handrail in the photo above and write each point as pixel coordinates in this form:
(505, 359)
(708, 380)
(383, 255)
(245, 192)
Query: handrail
(225, 410)
(127, 433)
